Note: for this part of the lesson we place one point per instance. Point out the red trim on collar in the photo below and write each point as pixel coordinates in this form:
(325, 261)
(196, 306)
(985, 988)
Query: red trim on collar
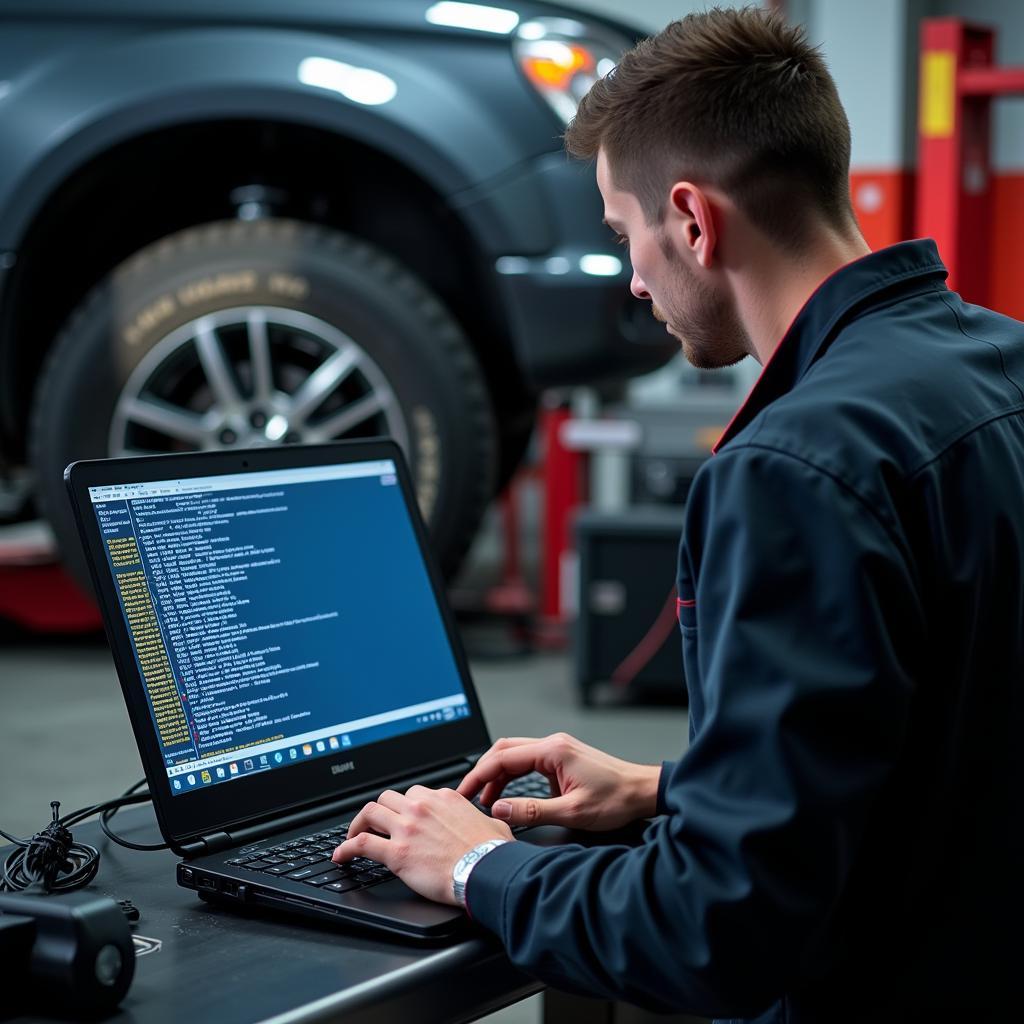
(764, 369)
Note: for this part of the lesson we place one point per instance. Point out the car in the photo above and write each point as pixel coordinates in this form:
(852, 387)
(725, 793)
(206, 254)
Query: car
(241, 222)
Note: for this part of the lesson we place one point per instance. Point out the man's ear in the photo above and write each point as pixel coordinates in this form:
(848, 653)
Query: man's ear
(694, 226)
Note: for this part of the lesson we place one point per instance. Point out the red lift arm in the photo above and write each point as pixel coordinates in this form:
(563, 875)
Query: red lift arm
(954, 182)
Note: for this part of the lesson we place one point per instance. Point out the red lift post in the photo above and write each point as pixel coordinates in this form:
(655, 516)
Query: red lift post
(564, 490)
(954, 181)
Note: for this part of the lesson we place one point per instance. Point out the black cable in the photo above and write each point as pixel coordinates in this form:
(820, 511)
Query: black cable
(51, 861)
(125, 800)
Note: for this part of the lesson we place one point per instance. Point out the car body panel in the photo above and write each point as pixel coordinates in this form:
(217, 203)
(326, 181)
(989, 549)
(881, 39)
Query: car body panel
(78, 79)
(55, 118)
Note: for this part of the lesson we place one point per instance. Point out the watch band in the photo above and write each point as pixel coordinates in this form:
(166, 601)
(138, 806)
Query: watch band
(463, 869)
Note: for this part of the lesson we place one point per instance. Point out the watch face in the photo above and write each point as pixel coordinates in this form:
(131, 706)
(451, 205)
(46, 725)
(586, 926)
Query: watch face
(465, 865)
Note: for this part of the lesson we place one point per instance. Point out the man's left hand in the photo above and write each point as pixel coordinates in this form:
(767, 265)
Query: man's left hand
(424, 833)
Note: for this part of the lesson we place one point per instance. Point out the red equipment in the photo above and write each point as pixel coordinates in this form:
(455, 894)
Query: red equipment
(954, 185)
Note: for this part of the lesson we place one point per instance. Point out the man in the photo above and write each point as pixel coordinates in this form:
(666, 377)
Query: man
(839, 842)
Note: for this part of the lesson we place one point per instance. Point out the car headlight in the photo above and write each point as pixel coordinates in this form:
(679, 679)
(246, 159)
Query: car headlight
(562, 58)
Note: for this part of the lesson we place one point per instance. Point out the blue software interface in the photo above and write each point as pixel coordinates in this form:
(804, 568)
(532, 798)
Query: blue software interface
(277, 616)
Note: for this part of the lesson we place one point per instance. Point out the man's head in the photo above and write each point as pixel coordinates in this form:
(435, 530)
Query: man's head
(724, 126)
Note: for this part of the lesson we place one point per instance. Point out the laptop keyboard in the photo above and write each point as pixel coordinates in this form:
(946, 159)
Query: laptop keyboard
(308, 858)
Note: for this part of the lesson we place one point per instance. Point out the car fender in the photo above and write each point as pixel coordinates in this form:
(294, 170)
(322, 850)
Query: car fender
(65, 110)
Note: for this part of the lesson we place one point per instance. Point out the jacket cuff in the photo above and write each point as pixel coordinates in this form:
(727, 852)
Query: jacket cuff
(485, 889)
(666, 770)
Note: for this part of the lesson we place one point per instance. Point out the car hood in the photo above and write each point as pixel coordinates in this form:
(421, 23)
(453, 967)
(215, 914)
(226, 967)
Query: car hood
(400, 15)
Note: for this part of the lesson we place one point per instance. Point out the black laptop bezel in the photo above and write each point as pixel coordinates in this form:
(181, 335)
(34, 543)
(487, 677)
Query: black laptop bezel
(249, 800)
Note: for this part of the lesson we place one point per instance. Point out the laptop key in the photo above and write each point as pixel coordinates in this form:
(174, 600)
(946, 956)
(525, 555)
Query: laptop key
(284, 868)
(302, 873)
(320, 865)
(256, 865)
(345, 885)
(327, 876)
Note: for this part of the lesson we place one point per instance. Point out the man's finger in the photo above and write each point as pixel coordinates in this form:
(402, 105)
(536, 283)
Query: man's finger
(511, 762)
(558, 810)
(493, 789)
(505, 743)
(365, 845)
(396, 801)
(373, 816)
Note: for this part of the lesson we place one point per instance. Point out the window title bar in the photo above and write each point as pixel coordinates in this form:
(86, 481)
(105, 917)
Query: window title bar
(239, 481)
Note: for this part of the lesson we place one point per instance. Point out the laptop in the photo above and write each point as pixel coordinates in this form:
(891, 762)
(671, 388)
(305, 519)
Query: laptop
(286, 652)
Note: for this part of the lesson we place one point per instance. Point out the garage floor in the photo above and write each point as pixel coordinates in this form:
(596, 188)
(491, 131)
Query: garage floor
(64, 733)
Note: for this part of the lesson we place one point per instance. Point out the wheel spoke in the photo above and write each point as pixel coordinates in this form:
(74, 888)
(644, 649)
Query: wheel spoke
(167, 419)
(321, 382)
(345, 419)
(215, 366)
(259, 356)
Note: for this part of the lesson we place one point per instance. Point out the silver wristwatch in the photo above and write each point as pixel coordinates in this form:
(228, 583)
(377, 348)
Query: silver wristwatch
(461, 871)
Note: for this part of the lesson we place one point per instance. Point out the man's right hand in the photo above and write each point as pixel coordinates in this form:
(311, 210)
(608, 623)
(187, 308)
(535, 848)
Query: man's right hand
(589, 789)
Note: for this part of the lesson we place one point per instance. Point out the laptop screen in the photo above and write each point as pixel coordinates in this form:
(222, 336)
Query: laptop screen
(276, 616)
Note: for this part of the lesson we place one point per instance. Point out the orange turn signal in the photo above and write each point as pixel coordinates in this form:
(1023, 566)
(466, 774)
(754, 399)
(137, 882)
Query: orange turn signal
(553, 66)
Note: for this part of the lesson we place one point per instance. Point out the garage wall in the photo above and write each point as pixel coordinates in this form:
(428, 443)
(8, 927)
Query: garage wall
(871, 50)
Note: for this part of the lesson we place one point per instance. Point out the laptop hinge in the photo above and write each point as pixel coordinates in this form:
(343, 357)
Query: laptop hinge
(213, 843)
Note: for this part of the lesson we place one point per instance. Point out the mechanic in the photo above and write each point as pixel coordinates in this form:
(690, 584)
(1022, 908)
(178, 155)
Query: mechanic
(840, 841)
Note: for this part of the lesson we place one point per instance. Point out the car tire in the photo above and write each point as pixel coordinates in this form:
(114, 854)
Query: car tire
(134, 370)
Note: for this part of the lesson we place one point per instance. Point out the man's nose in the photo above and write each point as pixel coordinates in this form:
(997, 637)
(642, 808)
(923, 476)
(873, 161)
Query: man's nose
(638, 288)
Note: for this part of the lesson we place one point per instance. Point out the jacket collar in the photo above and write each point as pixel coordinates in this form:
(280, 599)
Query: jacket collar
(849, 290)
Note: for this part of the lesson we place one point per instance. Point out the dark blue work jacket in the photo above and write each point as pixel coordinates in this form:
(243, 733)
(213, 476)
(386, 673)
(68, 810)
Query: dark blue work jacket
(841, 841)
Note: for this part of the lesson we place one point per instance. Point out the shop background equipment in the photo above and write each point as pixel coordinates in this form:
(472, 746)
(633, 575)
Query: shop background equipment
(627, 633)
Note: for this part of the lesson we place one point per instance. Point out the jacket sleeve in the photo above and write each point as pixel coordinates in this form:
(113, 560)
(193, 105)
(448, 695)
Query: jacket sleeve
(806, 625)
(667, 768)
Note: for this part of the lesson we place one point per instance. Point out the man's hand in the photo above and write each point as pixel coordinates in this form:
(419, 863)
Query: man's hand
(590, 789)
(425, 833)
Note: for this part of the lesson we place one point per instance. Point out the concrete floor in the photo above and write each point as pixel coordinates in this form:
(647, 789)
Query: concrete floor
(64, 732)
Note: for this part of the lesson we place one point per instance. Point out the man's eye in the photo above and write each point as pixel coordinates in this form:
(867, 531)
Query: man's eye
(621, 240)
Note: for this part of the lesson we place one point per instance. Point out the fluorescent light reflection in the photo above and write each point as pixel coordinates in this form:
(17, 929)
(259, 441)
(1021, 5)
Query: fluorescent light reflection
(475, 16)
(512, 265)
(361, 85)
(600, 264)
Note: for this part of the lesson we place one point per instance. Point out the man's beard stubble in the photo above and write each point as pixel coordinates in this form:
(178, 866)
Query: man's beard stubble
(705, 322)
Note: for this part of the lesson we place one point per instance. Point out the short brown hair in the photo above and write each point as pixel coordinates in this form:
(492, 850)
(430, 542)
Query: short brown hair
(735, 98)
